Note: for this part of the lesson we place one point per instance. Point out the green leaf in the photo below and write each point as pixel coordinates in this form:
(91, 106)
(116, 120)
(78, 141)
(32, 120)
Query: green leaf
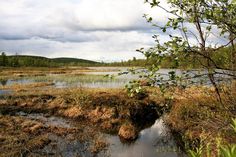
(164, 29)
(149, 19)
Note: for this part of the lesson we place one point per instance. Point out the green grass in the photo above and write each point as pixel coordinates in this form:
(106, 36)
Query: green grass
(222, 150)
(71, 78)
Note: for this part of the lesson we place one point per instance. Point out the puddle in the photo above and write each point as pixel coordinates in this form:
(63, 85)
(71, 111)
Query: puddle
(19, 81)
(65, 148)
(5, 92)
(155, 141)
(48, 121)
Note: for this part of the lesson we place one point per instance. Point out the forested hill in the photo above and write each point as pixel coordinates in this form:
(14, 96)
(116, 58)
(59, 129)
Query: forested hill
(39, 61)
(73, 60)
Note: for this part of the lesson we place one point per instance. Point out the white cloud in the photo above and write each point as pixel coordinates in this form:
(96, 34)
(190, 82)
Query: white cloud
(90, 29)
(108, 46)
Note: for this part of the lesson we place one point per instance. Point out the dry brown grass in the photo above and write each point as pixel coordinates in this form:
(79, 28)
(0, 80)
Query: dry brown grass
(128, 131)
(73, 112)
(98, 145)
(197, 114)
(20, 136)
(26, 87)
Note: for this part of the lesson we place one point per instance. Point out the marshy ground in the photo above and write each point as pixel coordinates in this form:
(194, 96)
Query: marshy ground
(86, 114)
(39, 119)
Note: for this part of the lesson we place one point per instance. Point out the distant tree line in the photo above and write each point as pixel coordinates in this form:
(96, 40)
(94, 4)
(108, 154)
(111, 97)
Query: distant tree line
(222, 57)
(38, 61)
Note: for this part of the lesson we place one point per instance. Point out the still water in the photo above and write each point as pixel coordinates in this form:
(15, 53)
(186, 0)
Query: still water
(97, 79)
(5, 92)
(155, 141)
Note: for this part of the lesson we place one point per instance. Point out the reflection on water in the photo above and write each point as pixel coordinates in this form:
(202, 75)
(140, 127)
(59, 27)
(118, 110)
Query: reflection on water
(3, 82)
(5, 92)
(48, 121)
(86, 80)
(155, 141)
(19, 81)
(65, 148)
(96, 79)
(94, 84)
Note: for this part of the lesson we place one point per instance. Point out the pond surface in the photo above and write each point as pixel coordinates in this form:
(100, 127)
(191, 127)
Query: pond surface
(94, 79)
(114, 77)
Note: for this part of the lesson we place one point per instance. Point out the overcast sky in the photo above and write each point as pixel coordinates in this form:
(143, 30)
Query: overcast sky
(91, 29)
(100, 30)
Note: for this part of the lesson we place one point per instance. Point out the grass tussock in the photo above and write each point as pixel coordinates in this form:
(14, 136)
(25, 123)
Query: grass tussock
(98, 145)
